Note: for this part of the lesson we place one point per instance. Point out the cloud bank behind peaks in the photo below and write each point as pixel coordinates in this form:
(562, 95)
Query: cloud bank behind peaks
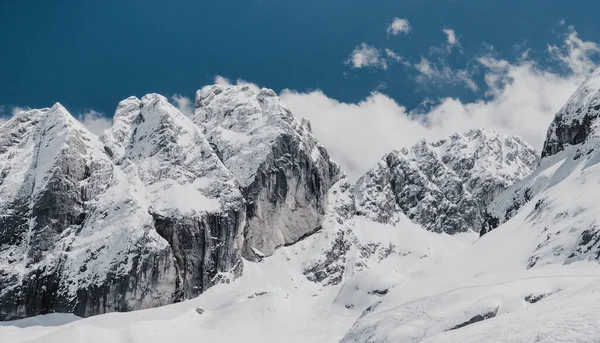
(522, 99)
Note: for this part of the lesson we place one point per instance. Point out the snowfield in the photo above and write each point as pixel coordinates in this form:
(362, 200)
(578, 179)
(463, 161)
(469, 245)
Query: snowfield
(273, 301)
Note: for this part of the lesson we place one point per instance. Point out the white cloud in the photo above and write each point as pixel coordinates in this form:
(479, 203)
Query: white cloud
(522, 100)
(184, 104)
(450, 36)
(441, 73)
(365, 55)
(391, 55)
(398, 26)
(575, 53)
(94, 121)
(220, 80)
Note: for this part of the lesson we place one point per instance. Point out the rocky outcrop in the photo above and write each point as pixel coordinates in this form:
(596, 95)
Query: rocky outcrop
(446, 185)
(577, 119)
(283, 171)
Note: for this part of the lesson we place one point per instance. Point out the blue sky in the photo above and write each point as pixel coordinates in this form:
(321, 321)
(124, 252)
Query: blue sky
(89, 55)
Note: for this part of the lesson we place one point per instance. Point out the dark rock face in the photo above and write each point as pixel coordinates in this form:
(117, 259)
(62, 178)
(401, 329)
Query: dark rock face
(575, 121)
(445, 186)
(202, 249)
(43, 156)
(330, 269)
(288, 194)
(283, 171)
(534, 298)
(477, 318)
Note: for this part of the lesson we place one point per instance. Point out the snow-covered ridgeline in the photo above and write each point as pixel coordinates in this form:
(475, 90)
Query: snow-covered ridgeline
(445, 185)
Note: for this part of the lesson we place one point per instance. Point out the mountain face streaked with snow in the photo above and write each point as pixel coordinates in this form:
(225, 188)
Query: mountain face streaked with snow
(283, 171)
(237, 220)
(446, 185)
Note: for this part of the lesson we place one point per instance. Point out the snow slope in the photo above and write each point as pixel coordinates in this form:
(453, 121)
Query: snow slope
(273, 301)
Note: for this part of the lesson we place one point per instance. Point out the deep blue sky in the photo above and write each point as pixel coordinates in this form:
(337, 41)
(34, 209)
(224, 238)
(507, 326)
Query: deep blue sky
(91, 54)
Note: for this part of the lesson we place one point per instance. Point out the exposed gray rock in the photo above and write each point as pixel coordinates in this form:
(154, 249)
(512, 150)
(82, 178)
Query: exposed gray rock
(577, 119)
(445, 185)
(283, 171)
(477, 318)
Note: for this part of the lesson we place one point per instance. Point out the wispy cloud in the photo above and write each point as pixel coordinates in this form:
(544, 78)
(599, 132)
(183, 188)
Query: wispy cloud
(440, 73)
(398, 26)
(575, 53)
(364, 56)
(450, 36)
(391, 55)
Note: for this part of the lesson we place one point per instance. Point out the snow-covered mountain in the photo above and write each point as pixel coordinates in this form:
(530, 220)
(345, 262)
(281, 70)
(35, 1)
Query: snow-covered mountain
(283, 171)
(243, 198)
(446, 185)
(150, 213)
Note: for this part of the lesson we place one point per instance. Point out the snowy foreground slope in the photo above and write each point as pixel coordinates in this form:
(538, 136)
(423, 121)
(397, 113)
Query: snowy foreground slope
(273, 301)
(380, 266)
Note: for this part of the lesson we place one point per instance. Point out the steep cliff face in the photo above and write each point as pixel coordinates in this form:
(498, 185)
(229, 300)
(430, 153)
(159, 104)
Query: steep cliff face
(147, 218)
(185, 210)
(51, 166)
(446, 185)
(578, 118)
(284, 172)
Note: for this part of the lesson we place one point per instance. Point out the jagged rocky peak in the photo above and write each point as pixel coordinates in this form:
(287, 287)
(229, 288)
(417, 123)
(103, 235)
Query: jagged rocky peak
(184, 197)
(145, 217)
(283, 170)
(444, 185)
(577, 119)
(48, 161)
